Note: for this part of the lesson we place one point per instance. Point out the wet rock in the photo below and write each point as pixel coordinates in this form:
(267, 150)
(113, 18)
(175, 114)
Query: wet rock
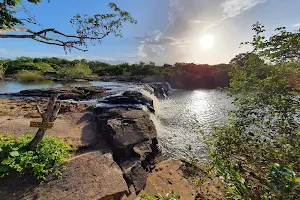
(132, 99)
(160, 89)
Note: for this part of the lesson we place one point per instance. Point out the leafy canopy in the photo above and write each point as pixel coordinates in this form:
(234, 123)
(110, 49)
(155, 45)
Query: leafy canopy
(283, 46)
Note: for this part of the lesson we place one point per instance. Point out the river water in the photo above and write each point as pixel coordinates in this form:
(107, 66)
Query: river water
(16, 86)
(180, 117)
(177, 118)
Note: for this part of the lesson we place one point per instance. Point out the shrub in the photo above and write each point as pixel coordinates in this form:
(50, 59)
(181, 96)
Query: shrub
(51, 152)
(29, 76)
(43, 67)
(77, 71)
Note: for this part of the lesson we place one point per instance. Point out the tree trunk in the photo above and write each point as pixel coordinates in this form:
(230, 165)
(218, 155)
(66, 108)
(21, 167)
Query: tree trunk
(48, 116)
(36, 140)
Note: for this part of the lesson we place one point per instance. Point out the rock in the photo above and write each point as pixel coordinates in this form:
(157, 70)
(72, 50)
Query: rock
(171, 175)
(132, 138)
(160, 89)
(139, 129)
(135, 175)
(130, 99)
(76, 93)
(90, 176)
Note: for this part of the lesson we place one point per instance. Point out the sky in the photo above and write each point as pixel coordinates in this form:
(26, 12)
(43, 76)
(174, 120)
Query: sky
(167, 31)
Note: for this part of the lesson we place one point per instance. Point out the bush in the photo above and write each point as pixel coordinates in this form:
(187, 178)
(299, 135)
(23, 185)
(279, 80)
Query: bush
(27, 76)
(51, 152)
(43, 67)
(78, 71)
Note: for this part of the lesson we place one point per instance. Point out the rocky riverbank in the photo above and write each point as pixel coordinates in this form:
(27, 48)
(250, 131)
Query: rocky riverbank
(117, 157)
(66, 93)
(119, 148)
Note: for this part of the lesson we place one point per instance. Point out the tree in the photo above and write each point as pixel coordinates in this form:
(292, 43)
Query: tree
(283, 46)
(240, 59)
(78, 70)
(49, 116)
(3, 67)
(257, 150)
(88, 28)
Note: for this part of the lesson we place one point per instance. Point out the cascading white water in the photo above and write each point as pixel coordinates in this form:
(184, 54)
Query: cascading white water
(178, 117)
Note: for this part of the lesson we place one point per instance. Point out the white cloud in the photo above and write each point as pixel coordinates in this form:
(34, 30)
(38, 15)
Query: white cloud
(188, 19)
(296, 25)
(201, 22)
(157, 38)
(232, 8)
(2, 50)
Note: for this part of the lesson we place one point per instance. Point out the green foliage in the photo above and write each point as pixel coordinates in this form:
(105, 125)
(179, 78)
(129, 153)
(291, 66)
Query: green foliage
(172, 196)
(78, 71)
(256, 151)
(51, 152)
(43, 67)
(28, 76)
(181, 74)
(2, 70)
(283, 46)
(283, 182)
(93, 25)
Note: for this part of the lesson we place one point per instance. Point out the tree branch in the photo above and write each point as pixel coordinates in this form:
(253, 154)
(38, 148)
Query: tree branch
(5, 30)
(40, 36)
(39, 110)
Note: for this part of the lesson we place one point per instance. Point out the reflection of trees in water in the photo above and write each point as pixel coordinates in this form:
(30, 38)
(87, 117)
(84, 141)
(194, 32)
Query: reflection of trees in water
(76, 84)
(40, 82)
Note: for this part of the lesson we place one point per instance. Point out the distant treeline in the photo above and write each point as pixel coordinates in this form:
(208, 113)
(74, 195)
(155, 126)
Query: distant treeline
(180, 74)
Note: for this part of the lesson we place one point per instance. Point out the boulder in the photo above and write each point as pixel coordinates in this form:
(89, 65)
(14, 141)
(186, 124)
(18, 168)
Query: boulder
(132, 138)
(90, 176)
(160, 89)
(125, 130)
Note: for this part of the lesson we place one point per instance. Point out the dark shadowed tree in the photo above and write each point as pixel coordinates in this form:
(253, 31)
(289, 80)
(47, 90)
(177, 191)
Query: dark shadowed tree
(88, 28)
(240, 59)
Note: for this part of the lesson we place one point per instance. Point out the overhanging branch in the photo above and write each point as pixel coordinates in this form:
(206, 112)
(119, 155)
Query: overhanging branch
(41, 36)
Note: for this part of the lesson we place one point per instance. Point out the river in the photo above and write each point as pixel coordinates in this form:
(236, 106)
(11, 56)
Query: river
(185, 113)
(177, 118)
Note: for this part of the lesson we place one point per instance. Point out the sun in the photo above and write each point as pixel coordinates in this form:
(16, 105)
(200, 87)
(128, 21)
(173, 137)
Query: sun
(206, 42)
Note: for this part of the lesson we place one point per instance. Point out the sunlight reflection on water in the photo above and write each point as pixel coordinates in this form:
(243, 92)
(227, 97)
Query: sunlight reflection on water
(183, 113)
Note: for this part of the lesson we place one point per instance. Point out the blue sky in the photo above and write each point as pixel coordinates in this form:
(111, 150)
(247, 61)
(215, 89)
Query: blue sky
(168, 31)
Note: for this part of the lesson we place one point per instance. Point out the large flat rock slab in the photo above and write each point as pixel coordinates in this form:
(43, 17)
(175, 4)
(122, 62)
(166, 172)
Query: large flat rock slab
(171, 175)
(73, 123)
(78, 128)
(90, 176)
